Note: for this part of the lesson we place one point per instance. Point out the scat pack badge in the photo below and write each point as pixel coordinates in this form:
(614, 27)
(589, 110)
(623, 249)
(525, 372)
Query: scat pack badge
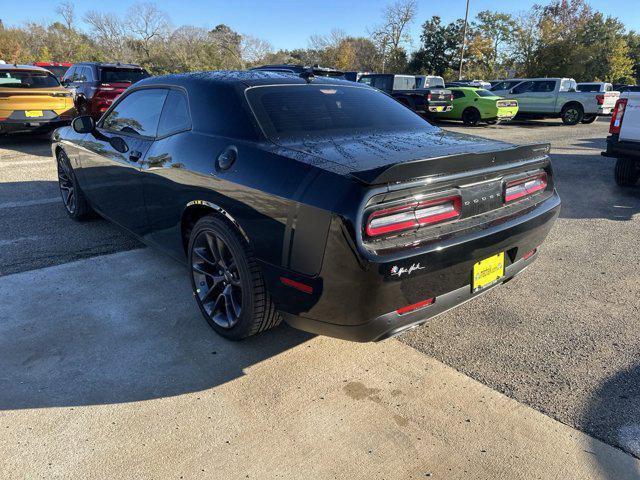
(397, 271)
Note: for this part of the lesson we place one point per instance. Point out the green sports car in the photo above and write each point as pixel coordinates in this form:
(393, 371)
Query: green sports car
(475, 105)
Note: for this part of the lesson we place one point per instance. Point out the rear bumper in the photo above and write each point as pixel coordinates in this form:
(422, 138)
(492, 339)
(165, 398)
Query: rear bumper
(357, 298)
(392, 323)
(36, 126)
(617, 148)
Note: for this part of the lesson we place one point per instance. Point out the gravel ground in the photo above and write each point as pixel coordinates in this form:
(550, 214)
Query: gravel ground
(563, 337)
(35, 231)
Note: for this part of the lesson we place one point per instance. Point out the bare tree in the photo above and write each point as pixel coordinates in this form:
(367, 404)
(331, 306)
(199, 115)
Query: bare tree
(109, 32)
(253, 49)
(394, 30)
(146, 24)
(67, 11)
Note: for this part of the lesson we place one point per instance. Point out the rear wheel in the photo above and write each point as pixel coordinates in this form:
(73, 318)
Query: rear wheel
(227, 282)
(471, 117)
(626, 172)
(75, 203)
(492, 122)
(587, 119)
(572, 114)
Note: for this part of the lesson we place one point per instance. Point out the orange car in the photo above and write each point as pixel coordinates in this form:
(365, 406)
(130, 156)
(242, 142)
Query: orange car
(32, 100)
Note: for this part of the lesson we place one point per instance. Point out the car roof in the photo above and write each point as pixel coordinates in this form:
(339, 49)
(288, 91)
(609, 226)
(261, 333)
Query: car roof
(248, 78)
(22, 67)
(108, 65)
(594, 83)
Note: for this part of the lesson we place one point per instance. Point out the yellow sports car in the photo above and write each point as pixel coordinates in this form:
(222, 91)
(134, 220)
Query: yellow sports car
(32, 100)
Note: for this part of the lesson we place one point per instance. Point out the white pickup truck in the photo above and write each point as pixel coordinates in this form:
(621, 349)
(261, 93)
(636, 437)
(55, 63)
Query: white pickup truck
(558, 98)
(624, 142)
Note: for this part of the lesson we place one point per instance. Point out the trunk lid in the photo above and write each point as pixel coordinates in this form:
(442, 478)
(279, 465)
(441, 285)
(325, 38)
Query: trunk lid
(402, 156)
(34, 99)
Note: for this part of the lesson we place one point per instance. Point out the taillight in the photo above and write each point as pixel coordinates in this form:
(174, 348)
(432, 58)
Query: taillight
(428, 97)
(452, 97)
(618, 115)
(600, 99)
(413, 215)
(524, 187)
(415, 306)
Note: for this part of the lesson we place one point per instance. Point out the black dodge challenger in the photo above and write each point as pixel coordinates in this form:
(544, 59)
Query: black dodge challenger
(316, 200)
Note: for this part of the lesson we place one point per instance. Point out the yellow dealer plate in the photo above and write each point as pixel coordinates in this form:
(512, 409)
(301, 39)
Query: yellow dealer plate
(439, 109)
(33, 113)
(488, 271)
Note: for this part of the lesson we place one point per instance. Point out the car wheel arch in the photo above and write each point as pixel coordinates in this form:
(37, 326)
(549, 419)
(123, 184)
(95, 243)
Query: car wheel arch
(197, 209)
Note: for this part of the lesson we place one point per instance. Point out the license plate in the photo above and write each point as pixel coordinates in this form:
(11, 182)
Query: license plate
(488, 271)
(439, 109)
(33, 113)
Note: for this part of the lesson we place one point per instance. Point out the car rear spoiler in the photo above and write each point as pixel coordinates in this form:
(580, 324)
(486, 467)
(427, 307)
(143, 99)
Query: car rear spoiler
(451, 164)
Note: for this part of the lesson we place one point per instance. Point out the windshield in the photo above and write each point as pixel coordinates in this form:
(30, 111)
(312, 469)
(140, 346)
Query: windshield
(291, 112)
(27, 79)
(485, 93)
(588, 88)
(122, 75)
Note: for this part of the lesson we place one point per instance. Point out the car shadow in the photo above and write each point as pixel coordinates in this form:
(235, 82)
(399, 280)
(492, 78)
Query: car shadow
(613, 416)
(113, 329)
(28, 144)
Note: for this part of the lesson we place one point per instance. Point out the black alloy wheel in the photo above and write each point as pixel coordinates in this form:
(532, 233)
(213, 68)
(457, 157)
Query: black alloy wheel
(217, 279)
(227, 281)
(75, 203)
(66, 184)
(471, 117)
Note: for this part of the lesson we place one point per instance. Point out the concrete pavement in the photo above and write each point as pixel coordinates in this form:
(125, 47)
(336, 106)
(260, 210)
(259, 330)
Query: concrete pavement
(108, 371)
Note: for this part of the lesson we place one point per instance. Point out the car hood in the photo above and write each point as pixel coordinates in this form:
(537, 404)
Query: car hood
(370, 157)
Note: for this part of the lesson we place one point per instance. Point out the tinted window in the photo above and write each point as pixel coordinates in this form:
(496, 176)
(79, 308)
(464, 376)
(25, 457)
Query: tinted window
(175, 114)
(458, 94)
(138, 113)
(121, 75)
(481, 92)
(81, 74)
(70, 73)
(27, 79)
(298, 111)
(523, 87)
(547, 86)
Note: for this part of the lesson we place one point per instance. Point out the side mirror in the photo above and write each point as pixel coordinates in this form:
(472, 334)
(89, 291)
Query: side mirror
(84, 124)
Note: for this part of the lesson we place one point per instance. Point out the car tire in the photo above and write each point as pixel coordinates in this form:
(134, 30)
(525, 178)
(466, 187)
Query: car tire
(588, 119)
(626, 172)
(227, 282)
(572, 114)
(471, 117)
(492, 122)
(73, 198)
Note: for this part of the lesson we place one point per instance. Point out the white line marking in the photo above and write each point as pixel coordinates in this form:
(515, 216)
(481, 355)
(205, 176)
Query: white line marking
(29, 203)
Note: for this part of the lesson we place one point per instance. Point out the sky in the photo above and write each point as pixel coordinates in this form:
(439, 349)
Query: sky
(289, 23)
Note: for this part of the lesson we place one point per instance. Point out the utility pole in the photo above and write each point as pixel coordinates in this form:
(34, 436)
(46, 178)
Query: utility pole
(464, 41)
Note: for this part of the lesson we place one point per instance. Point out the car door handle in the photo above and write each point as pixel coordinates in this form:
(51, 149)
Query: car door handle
(135, 155)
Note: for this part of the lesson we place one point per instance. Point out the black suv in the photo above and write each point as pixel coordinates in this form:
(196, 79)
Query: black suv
(96, 85)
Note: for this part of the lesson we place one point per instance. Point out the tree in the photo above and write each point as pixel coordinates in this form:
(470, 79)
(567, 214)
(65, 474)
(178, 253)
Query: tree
(393, 33)
(498, 28)
(145, 25)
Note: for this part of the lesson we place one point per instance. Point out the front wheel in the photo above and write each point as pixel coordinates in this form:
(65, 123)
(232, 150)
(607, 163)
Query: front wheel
(626, 172)
(75, 203)
(588, 119)
(227, 282)
(572, 114)
(471, 117)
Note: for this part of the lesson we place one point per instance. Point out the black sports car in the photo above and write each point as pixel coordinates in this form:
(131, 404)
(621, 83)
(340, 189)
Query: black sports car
(312, 199)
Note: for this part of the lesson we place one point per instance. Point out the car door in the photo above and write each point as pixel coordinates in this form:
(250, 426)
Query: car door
(111, 164)
(522, 93)
(543, 96)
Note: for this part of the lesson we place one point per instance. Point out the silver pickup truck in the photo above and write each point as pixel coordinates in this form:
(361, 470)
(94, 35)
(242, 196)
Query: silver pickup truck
(624, 142)
(557, 98)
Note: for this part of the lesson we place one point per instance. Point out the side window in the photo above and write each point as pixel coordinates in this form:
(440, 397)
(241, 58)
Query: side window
(458, 94)
(81, 74)
(137, 113)
(70, 74)
(547, 86)
(175, 114)
(88, 73)
(608, 88)
(523, 87)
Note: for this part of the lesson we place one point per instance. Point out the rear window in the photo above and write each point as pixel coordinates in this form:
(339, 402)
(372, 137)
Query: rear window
(304, 111)
(588, 88)
(485, 93)
(122, 75)
(27, 79)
